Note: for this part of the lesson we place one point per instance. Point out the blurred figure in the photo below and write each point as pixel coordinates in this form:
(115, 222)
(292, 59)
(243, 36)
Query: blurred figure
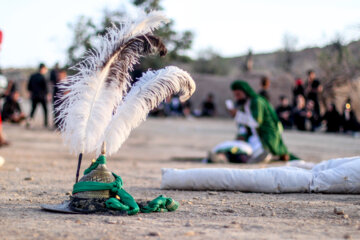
(38, 89)
(312, 117)
(284, 112)
(11, 111)
(208, 106)
(265, 85)
(54, 74)
(57, 95)
(313, 96)
(187, 109)
(176, 106)
(298, 90)
(349, 120)
(332, 119)
(310, 78)
(299, 113)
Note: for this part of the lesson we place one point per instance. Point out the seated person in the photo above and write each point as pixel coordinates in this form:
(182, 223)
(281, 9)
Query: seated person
(332, 119)
(176, 108)
(11, 111)
(300, 114)
(258, 124)
(284, 112)
(208, 106)
(349, 120)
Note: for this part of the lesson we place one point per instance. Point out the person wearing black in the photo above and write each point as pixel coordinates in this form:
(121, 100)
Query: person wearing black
(284, 112)
(38, 89)
(11, 111)
(300, 114)
(349, 120)
(208, 106)
(298, 90)
(265, 85)
(310, 79)
(54, 75)
(332, 119)
(313, 96)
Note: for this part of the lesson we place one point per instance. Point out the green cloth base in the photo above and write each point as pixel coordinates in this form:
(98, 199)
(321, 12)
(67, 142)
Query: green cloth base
(123, 201)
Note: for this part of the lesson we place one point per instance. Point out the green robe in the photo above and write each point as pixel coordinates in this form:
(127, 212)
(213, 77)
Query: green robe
(270, 127)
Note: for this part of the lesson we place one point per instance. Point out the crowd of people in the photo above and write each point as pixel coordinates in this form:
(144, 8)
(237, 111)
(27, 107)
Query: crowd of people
(173, 107)
(38, 88)
(304, 113)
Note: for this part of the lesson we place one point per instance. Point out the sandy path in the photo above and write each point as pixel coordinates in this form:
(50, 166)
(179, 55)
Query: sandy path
(39, 154)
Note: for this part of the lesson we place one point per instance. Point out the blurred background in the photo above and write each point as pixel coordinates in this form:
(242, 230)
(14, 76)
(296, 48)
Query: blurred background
(279, 47)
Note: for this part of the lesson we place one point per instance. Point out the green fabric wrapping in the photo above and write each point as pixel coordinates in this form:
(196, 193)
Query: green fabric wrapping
(270, 127)
(125, 202)
(101, 160)
(160, 204)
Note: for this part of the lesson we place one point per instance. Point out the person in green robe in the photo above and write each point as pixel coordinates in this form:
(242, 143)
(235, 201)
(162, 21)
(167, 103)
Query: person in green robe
(268, 127)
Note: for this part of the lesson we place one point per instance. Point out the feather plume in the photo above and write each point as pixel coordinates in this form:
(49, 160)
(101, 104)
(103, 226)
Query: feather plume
(103, 79)
(146, 94)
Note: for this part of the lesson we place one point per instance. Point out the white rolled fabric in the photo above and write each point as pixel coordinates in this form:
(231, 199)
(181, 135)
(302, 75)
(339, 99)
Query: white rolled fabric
(333, 176)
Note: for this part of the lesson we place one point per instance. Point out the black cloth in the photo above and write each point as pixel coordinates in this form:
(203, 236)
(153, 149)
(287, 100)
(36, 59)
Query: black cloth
(298, 90)
(208, 109)
(265, 94)
(35, 102)
(10, 107)
(333, 121)
(299, 116)
(37, 86)
(351, 123)
(54, 76)
(287, 123)
(314, 97)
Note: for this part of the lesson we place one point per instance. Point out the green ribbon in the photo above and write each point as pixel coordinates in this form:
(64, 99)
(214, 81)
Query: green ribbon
(123, 201)
(101, 160)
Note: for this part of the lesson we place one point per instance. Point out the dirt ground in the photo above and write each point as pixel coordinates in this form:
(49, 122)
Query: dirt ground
(39, 169)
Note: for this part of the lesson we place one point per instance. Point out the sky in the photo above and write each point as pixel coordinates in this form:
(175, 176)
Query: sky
(37, 31)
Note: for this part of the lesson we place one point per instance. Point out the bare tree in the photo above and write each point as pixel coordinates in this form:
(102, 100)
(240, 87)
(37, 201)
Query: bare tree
(339, 68)
(287, 54)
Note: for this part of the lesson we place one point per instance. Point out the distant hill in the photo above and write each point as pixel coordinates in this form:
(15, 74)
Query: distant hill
(281, 82)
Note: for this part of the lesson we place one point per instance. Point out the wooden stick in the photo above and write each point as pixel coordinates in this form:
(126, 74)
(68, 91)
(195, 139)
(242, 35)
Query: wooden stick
(78, 168)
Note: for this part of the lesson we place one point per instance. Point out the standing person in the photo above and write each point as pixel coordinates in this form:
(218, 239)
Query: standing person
(265, 85)
(208, 106)
(258, 113)
(54, 74)
(284, 112)
(332, 119)
(298, 90)
(313, 95)
(310, 78)
(38, 89)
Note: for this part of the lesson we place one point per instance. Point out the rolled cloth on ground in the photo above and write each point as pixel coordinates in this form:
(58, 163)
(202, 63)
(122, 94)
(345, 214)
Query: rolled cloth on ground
(332, 176)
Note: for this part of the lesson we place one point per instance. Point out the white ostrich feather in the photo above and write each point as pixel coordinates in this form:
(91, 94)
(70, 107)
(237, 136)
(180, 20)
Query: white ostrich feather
(146, 94)
(102, 81)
